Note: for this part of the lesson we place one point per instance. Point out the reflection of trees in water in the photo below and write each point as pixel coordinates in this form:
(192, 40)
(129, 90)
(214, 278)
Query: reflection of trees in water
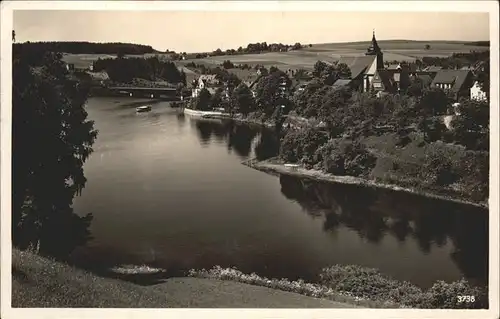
(267, 146)
(204, 131)
(238, 137)
(376, 213)
(181, 119)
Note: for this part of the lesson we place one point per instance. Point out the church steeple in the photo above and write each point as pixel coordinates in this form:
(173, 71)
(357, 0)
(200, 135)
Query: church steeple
(374, 49)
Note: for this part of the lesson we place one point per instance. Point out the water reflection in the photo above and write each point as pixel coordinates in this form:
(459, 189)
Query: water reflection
(238, 137)
(430, 223)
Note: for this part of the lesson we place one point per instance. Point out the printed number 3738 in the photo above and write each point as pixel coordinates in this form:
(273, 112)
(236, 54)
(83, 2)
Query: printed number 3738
(466, 298)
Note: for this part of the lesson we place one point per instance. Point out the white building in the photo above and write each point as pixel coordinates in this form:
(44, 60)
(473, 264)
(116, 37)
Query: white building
(476, 93)
(207, 81)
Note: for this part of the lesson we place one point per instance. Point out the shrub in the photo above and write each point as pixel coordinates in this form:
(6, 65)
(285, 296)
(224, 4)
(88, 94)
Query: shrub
(446, 295)
(345, 157)
(301, 146)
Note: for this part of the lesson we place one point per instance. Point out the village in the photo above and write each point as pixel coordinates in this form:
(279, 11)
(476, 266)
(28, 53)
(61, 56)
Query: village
(369, 73)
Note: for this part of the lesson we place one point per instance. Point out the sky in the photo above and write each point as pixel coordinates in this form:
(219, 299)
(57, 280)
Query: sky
(195, 31)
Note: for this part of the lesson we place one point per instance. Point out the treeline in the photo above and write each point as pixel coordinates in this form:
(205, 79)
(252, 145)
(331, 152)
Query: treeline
(126, 69)
(78, 47)
(251, 48)
(456, 60)
(479, 43)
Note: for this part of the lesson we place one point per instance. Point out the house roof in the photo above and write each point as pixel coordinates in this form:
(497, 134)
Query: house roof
(393, 66)
(433, 68)
(357, 64)
(455, 77)
(207, 77)
(341, 82)
(255, 81)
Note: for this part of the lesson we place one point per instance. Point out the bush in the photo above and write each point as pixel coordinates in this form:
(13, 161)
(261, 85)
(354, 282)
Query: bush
(446, 295)
(439, 170)
(345, 157)
(371, 284)
(301, 146)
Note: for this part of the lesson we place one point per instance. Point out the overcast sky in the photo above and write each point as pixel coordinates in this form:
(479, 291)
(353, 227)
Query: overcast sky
(193, 31)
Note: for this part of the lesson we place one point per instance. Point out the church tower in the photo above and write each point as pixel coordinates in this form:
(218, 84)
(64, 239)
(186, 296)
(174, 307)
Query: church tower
(374, 49)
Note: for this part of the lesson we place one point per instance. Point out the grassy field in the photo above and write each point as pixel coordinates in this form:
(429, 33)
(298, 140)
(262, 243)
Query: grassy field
(40, 282)
(399, 50)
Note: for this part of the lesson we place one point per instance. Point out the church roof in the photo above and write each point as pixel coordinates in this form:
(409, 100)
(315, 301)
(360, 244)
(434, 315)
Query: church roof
(357, 64)
(373, 48)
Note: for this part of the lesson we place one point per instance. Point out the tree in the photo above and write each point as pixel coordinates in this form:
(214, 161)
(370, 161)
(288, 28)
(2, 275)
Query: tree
(471, 127)
(416, 88)
(329, 73)
(51, 140)
(434, 102)
(427, 47)
(433, 128)
(242, 99)
(227, 64)
(203, 101)
(269, 91)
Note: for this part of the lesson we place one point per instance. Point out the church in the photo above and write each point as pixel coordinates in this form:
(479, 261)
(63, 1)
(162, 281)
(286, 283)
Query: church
(368, 73)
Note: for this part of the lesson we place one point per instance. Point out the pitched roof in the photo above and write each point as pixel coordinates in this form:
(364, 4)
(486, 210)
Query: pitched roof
(357, 64)
(455, 77)
(393, 66)
(433, 68)
(209, 77)
(341, 82)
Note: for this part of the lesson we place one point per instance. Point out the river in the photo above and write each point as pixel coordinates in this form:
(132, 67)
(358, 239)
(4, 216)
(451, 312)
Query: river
(170, 191)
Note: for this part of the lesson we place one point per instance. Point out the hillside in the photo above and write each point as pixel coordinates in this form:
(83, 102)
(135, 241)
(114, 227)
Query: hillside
(40, 282)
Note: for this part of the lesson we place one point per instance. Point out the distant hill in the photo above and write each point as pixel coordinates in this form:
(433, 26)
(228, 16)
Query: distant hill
(402, 41)
(89, 47)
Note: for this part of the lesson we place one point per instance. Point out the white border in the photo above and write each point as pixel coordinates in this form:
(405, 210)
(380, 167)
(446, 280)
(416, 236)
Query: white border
(402, 6)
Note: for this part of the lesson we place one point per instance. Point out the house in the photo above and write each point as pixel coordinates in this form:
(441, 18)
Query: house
(70, 66)
(205, 81)
(476, 93)
(457, 82)
(363, 68)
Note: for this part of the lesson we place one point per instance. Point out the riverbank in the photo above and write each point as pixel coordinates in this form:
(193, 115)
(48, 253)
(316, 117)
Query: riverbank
(41, 282)
(276, 167)
(238, 118)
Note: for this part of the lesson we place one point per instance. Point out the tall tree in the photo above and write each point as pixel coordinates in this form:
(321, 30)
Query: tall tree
(269, 91)
(51, 140)
(242, 99)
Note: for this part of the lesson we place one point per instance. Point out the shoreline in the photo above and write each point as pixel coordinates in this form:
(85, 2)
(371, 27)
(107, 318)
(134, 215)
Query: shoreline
(269, 167)
(276, 169)
(224, 116)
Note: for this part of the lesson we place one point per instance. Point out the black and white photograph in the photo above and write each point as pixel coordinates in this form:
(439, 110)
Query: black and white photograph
(306, 159)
